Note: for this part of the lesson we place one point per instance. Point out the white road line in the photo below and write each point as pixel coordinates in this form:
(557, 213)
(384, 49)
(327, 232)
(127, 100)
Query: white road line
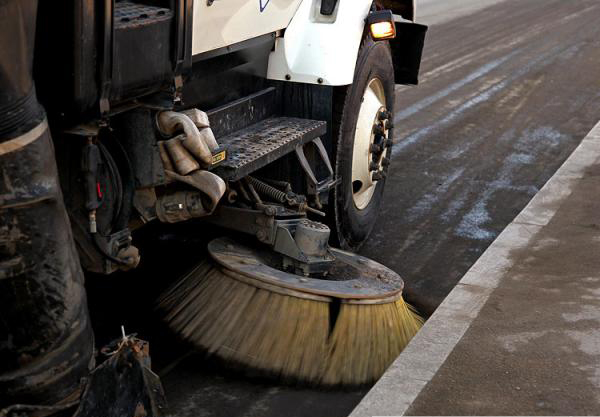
(478, 73)
(482, 97)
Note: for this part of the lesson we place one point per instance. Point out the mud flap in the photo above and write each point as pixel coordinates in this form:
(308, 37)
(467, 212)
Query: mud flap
(407, 50)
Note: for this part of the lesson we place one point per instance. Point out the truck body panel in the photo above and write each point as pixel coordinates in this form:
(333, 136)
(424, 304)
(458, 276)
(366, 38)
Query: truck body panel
(224, 23)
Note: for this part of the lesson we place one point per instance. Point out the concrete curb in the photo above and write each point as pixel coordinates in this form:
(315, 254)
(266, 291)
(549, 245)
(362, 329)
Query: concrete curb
(419, 362)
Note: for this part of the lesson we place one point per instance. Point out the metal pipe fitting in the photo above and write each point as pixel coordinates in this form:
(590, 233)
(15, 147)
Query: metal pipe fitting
(199, 118)
(165, 157)
(198, 143)
(184, 162)
(185, 205)
(180, 206)
(201, 121)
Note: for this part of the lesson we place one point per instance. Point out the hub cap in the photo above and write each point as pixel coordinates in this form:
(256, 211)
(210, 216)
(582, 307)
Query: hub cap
(370, 144)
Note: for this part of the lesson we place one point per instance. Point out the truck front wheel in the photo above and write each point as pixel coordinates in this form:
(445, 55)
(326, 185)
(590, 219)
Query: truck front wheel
(362, 143)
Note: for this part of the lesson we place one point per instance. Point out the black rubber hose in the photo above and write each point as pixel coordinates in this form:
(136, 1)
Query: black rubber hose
(128, 186)
(98, 244)
(114, 176)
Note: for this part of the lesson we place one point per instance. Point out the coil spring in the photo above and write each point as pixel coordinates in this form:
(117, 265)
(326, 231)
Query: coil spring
(267, 190)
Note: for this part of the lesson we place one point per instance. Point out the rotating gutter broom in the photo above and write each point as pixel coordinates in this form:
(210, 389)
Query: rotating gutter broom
(342, 325)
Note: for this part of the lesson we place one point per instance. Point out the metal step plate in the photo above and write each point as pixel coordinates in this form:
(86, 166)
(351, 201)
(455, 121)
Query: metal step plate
(254, 147)
(128, 15)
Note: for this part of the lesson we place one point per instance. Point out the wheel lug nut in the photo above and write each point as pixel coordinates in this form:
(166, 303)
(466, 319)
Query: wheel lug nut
(380, 140)
(384, 115)
(385, 162)
(378, 130)
(388, 143)
(375, 148)
(378, 176)
(373, 166)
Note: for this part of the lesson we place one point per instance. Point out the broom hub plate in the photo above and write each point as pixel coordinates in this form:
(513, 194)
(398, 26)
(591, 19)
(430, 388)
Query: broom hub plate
(352, 278)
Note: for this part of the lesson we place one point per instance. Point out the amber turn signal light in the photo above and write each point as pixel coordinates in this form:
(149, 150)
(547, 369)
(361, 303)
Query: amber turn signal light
(383, 30)
(381, 25)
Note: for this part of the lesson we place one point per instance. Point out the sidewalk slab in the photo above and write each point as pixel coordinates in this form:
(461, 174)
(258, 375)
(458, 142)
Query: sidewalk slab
(520, 333)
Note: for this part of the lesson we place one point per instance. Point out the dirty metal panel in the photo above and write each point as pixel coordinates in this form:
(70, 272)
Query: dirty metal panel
(240, 114)
(353, 278)
(264, 142)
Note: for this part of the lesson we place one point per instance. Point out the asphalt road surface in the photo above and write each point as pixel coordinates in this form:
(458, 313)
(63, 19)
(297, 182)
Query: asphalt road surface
(505, 96)
(435, 12)
(508, 89)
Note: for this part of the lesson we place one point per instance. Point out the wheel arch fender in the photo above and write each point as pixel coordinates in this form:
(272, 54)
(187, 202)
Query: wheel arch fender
(317, 49)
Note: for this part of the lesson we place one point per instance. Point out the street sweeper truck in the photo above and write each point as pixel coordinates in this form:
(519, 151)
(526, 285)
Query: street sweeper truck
(270, 120)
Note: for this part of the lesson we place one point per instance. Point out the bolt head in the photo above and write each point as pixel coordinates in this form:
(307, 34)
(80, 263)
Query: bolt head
(379, 130)
(378, 176)
(384, 115)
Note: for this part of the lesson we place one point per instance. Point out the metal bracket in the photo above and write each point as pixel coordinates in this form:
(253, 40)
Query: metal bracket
(183, 60)
(277, 227)
(316, 186)
(106, 66)
(114, 245)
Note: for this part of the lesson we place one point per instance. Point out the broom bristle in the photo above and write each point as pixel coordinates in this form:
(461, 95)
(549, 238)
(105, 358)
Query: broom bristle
(287, 336)
(367, 338)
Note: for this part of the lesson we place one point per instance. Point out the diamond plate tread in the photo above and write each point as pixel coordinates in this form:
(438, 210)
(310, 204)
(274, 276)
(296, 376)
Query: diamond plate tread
(131, 15)
(254, 147)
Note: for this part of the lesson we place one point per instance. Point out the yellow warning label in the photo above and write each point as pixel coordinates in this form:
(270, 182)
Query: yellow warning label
(218, 157)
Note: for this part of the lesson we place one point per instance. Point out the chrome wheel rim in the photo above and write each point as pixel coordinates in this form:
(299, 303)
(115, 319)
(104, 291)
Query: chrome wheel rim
(369, 149)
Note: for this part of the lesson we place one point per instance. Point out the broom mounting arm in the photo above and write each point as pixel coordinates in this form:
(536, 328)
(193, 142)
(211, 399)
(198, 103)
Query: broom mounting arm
(302, 243)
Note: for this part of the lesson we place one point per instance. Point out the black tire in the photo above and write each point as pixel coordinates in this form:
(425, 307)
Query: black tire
(352, 226)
